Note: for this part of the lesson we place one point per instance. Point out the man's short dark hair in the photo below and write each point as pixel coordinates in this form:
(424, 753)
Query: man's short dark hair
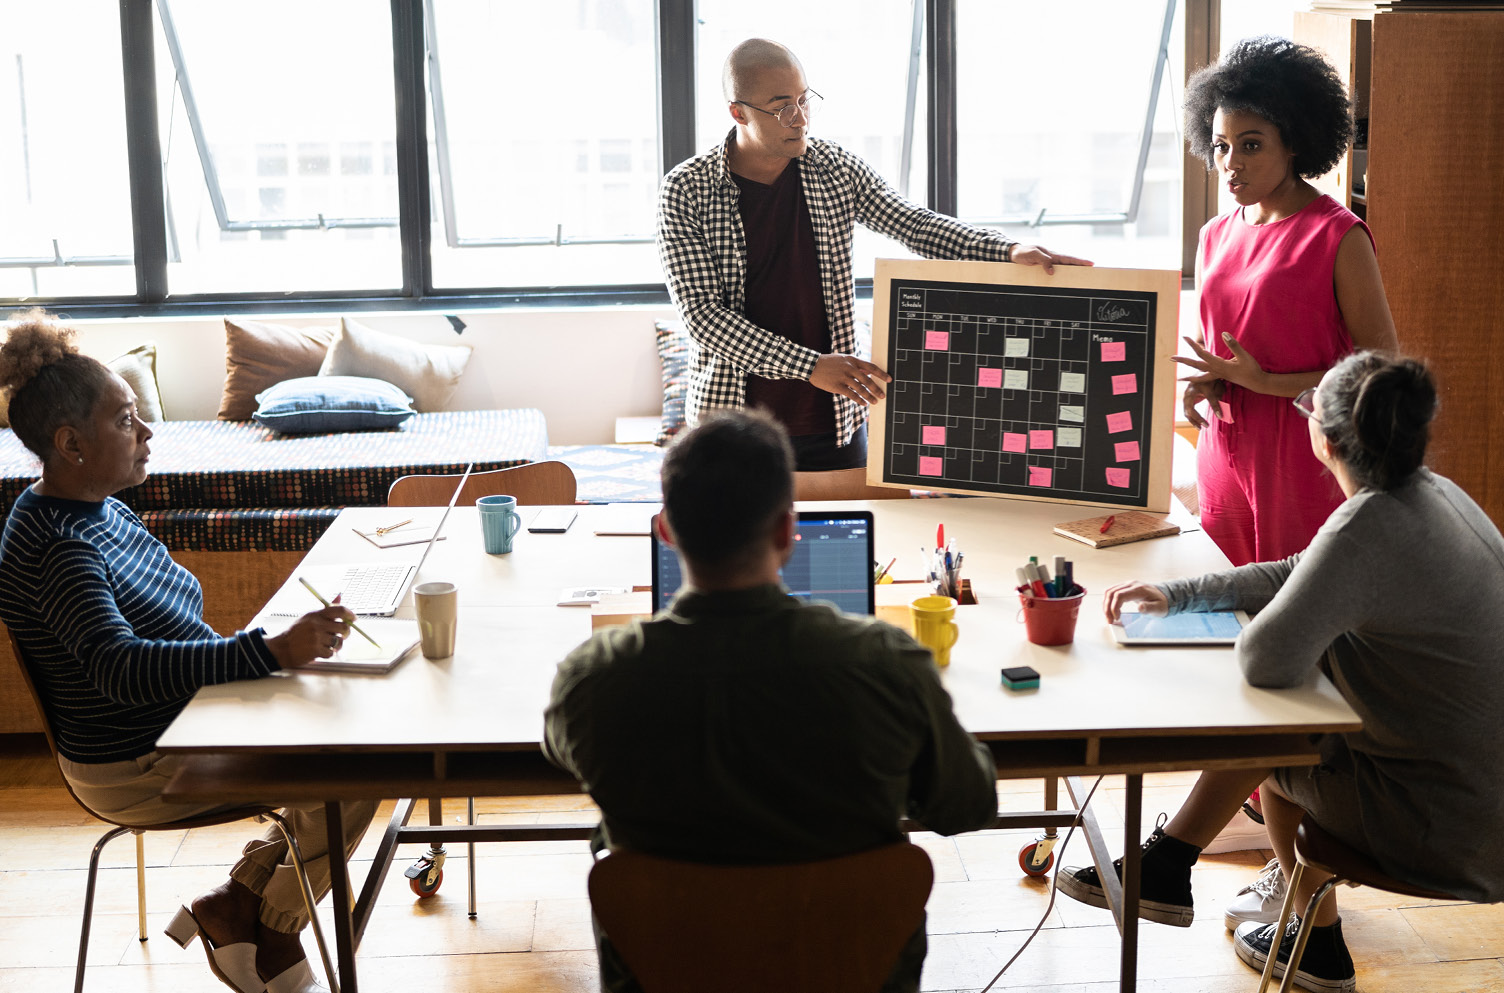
(1292, 86)
(724, 483)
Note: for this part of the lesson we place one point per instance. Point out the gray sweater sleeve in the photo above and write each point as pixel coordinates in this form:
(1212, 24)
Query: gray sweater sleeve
(1303, 603)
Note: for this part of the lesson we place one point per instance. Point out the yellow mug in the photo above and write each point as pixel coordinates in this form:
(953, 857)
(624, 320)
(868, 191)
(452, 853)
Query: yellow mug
(935, 625)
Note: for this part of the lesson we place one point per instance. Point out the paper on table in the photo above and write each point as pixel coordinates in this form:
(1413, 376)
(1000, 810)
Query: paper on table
(407, 534)
(395, 640)
(626, 519)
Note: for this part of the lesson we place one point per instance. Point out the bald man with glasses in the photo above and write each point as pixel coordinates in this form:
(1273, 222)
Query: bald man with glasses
(755, 240)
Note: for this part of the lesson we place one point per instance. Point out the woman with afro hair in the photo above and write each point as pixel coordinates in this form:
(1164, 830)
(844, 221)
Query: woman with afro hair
(1289, 284)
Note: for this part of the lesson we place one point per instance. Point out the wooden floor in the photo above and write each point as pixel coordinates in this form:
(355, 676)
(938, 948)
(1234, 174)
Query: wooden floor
(533, 931)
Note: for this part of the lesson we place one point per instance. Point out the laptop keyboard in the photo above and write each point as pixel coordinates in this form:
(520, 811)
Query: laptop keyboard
(371, 589)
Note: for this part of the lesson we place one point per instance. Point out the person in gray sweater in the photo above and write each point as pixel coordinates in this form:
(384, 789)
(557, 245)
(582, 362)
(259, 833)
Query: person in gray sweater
(1399, 600)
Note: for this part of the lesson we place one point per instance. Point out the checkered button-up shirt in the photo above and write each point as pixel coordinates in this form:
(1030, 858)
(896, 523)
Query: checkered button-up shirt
(703, 249)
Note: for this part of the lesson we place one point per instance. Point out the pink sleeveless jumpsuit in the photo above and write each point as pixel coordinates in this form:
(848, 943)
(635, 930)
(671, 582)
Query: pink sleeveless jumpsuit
(1262, 492)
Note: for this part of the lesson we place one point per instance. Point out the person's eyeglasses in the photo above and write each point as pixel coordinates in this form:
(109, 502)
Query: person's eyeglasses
(1305, 402)
(806, 104)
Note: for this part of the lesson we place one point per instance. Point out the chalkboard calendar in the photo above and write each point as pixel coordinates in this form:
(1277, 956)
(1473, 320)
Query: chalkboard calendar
(1010, 382)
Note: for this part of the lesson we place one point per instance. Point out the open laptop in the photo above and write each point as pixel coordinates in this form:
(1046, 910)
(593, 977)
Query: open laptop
(832, 561)
(379, 589)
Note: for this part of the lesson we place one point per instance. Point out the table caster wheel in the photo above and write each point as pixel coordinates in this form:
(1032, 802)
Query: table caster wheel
(1031, 864)
(425, 876)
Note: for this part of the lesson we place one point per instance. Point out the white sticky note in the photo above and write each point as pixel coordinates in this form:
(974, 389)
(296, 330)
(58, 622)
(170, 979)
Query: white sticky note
(1016, 379)
(1016, 348)
(1073, 382)
(1072, 413)
(1068, 437)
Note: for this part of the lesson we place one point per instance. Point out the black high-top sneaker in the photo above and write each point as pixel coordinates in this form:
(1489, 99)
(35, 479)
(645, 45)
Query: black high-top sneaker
(1325, 966)
(1164, 880)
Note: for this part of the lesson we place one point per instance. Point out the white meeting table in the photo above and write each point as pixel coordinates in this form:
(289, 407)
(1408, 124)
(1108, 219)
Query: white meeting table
(471, 725)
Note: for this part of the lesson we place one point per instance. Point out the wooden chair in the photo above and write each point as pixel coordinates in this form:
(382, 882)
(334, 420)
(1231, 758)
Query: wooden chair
(532, 484)
(842, 484)
(240, 813)
(1318, 850)
(835, 926)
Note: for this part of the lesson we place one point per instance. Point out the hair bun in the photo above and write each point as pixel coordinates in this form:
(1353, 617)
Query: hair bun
(34, 342)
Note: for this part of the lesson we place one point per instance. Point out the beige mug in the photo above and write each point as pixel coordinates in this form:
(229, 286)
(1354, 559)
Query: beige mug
(437, 606)
(935, 625)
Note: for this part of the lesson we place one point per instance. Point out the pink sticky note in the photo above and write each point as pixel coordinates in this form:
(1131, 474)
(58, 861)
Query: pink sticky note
(1041, 439)
(1126, 383)
(937, 340)
(1015, 441)
(1224, 410)
(1118, 477)
(1114, 351)
(934, 434)
(1127, 451)
(1040, 476)
(931, 466)
(990, 377)
(1121, 421)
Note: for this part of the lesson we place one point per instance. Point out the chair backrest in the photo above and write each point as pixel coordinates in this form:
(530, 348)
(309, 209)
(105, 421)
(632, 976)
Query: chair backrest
(842, 484)
(207, 820)
(835, 926)
(532, 484)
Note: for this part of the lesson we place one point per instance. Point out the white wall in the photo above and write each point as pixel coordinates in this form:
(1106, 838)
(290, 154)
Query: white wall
(583, 367)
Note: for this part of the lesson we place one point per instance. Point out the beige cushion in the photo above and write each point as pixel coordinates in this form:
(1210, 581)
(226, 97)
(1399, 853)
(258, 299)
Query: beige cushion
(427, 373)
(138, 367)
(260, 355)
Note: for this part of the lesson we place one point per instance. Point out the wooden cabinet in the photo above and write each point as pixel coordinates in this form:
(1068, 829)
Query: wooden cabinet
(1435, 202)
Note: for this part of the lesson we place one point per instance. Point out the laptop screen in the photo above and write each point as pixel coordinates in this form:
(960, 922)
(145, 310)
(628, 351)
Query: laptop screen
(832, 561)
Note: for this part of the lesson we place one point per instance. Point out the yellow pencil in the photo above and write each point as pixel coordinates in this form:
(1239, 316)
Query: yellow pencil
(309, 587)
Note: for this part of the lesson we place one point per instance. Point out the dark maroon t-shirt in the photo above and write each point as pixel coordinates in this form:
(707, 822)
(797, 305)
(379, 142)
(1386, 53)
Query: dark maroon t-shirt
(784, 296)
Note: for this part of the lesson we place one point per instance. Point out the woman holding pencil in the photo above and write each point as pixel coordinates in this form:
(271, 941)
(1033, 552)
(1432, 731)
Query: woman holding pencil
(111, 630)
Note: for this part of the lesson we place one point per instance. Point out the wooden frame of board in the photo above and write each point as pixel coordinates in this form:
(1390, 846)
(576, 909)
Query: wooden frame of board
(1151, 491)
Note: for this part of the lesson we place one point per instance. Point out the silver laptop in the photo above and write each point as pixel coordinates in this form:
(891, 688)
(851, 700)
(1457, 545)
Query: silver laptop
(379, 589)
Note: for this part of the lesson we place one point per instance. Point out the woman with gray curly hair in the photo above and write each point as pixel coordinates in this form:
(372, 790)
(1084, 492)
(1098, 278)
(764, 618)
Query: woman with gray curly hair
(112, 632)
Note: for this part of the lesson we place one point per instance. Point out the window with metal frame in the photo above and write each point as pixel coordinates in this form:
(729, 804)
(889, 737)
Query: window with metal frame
(1068, 126)
(65, 209)
(278, 146)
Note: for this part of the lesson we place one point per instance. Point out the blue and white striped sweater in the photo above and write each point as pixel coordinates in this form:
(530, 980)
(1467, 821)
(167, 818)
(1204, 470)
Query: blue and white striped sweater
(111, 627)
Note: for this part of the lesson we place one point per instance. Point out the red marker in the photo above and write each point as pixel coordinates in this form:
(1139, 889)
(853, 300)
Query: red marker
(940, 536)
(1112, 519)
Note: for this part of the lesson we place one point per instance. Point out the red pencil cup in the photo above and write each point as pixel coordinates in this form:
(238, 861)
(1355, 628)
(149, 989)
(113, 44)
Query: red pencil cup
(1051, 620)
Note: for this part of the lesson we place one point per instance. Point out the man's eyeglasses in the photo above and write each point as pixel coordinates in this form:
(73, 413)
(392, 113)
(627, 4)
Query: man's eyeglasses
(806, 104)
(1305, 402)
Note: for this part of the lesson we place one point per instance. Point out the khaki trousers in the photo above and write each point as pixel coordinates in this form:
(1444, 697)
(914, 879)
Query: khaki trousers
(130, 793)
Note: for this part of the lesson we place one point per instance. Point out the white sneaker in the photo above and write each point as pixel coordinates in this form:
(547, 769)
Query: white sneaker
(1242, 834)
(1260, 900)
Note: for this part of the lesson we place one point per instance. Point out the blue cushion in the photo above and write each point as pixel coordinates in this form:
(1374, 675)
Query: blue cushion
(326, 404)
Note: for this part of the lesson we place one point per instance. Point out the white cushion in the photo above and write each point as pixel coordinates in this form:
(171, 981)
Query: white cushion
(427, 373)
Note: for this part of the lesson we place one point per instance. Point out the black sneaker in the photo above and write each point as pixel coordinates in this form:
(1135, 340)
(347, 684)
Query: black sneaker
(1325, 966)
(1164, 880)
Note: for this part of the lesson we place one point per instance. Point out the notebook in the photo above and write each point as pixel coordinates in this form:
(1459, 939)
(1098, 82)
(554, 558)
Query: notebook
(395, 637)
(832, 561)
(376, 590)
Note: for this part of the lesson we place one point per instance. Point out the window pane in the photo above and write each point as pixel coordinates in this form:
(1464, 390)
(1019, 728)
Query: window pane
(856, 54)
(295, 111)
(64, 179)
(548, 155)
(1051, 107)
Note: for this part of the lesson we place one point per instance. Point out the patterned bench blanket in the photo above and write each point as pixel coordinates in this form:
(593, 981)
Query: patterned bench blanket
(233, 485)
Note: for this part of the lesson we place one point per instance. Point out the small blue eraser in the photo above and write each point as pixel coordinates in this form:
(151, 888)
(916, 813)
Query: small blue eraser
(1021, 678)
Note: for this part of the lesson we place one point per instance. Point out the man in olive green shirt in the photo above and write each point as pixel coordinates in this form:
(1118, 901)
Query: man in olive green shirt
(743, 726)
